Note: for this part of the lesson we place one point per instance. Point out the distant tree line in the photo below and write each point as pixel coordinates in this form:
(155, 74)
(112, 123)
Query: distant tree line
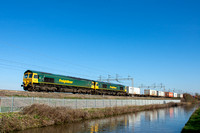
(189, 98)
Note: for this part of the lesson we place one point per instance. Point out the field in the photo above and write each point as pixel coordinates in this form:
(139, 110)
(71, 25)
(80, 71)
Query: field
(9, 93)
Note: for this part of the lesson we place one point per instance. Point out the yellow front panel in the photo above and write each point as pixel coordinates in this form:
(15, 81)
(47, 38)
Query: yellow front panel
(97, 85)
(92, 86)
(27, 80)
(35, 78)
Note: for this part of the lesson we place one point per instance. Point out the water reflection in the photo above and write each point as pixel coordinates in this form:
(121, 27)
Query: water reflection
(161, 120)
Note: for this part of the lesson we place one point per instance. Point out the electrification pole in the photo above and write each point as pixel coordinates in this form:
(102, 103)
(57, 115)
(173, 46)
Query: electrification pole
(117, 79)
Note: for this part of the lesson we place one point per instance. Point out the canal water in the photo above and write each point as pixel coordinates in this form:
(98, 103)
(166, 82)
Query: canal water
(168, 120)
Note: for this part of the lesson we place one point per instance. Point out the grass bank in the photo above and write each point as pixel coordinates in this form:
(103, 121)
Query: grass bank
(193, 124)
(10, 93)
(38, 115)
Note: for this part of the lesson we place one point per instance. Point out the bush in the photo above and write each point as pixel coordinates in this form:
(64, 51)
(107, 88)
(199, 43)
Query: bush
(189, 98)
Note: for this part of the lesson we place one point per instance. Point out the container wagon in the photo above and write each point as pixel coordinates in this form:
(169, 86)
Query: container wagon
(133, 90)
(169, 94)
(160, 93)
(175, 94)
(180, 95)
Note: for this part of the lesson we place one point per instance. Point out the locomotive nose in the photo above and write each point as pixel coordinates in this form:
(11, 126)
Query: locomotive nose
(26, 82)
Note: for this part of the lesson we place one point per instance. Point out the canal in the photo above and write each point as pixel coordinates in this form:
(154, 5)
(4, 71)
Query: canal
(168, 120)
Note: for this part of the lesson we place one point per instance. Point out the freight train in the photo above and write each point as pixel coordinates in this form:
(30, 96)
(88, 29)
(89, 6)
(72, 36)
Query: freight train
(47, 82)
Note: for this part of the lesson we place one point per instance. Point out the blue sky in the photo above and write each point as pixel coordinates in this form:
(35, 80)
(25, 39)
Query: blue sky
(153, 41)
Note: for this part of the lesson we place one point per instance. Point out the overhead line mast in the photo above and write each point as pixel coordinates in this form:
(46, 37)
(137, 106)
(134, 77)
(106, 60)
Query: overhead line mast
(117, 79)
(153, 86)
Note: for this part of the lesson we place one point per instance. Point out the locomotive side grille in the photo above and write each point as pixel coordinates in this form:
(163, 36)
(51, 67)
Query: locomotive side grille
(121, 88)
(50, 80)
(104, 86)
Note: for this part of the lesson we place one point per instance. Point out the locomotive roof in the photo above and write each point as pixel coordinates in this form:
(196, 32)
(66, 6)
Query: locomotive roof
(33, 71)
(57, 75)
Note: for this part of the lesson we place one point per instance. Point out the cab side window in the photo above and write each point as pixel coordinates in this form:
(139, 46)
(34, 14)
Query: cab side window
(121, 88)
(36, 76)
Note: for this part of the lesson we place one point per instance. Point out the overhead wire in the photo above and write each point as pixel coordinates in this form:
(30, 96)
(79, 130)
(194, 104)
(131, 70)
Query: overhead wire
(19, 63)
(5, 66)
(61, 60)
(9, 65)
(20, 66)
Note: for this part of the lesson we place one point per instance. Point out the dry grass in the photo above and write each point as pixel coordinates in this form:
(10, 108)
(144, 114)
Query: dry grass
(40, 115)
(15, 121)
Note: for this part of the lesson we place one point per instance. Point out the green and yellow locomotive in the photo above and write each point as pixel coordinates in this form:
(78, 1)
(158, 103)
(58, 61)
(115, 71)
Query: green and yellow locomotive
(41, 81)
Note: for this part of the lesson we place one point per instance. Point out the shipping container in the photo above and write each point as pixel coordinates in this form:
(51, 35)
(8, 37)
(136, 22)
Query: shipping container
(175, 94)
(150, 92)
(160, 93)
(168, 94)
(180, 95)
(133, 90)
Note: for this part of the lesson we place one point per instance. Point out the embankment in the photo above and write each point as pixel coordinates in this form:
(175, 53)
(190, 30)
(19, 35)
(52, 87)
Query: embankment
(9, 93)
(38, 115)
(193, 124)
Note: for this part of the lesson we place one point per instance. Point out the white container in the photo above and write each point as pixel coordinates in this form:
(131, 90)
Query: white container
(133, 90)
(150, 92)
(180, 95)
(175, 94)
(160, 93)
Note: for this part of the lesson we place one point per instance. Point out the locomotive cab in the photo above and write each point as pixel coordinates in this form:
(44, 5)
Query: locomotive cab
(28, 79)
(95, 85)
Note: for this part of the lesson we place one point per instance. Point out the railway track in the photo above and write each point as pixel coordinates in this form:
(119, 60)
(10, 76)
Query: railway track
(9, 93)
